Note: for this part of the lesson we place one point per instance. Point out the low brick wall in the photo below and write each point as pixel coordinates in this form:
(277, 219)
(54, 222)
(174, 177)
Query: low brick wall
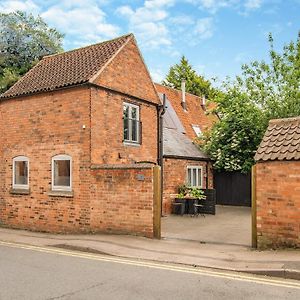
(175, 172)
(278, 204)
(122, 199)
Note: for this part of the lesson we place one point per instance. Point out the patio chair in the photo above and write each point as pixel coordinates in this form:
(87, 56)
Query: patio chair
(197, 207)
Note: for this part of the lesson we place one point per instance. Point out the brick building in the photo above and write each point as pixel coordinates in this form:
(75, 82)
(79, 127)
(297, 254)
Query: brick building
(183, 163)
(78, 143)
(278, 185)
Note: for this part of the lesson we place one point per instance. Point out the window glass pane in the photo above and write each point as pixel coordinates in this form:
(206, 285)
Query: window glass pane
(125, 111)
(126, 129)
(194, 177)
(133, 113)
(189, 177)
(61, 173)
(21, 172)
(199, 178)
(134, 130)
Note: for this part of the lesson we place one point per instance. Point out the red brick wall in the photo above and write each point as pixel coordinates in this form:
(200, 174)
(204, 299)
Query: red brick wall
(40, 127)
(48, 124)
(107, 129)
(127, 73)
(278, 204)
(175, 172)
(121, 200)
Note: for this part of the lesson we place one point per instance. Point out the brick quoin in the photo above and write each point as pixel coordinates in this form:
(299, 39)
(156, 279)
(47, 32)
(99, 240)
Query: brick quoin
(86, 123)
(278, 204)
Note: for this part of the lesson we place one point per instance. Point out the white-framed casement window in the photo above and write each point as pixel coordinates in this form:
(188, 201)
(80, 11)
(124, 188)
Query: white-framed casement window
(62, 173)
(21, 172)
(197, 130)
(195, 176)
(132, 124)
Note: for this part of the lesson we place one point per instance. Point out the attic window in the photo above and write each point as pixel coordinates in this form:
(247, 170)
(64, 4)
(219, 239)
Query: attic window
(197, 130)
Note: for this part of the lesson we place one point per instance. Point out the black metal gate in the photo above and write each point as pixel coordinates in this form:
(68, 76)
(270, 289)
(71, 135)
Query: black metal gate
(233, 188)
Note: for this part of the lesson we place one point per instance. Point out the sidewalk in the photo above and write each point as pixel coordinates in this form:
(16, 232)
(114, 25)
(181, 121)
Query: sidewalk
(281, 263)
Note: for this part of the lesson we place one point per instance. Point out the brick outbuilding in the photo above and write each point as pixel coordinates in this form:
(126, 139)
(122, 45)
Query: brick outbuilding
(183, 162)
(278, 185)
(78, 143)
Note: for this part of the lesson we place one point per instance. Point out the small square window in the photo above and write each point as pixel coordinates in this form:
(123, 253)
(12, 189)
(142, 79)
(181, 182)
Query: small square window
(62, 173)
(194, 176)
(21, 172)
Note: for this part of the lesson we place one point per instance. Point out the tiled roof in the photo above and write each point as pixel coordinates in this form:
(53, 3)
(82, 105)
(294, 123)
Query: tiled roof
(177, 144)
(281, 141)
(195, 114)
(65, 69)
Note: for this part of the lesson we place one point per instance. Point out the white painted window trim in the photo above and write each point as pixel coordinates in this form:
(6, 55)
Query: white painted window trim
(20, 186)
(130, 106)
(197, 175)
(58, 187)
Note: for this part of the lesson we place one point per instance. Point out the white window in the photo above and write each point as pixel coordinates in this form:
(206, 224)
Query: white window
(197, 130)
(21, 172)
(62, 173)
(131, 119)
(194, 176)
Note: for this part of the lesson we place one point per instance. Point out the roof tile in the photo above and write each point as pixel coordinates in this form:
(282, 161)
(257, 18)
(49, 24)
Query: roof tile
(66, 69)
(281, 141)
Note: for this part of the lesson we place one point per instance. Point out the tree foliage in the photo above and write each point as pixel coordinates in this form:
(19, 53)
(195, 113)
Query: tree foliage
(264, 91)
(195, 84)
(24, 39)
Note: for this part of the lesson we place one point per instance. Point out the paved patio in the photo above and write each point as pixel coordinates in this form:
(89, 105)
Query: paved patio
(230, 225)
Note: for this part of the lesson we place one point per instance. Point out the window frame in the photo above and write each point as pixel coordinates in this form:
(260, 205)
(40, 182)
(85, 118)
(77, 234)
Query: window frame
(195, 127)
(197, 176)
(15, 185)
(138, 129)
(61, 188)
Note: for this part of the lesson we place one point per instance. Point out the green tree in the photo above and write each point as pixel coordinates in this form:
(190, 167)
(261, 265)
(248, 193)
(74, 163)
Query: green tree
(264, 91)
(195, 84)
(24, 40)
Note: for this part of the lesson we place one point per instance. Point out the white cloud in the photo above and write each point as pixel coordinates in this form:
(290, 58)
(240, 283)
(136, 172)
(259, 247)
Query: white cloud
(157, 75)
(11, 6)
(214, 5)
(148, 22)
(204, 28)
(253, 4)
(82, 21)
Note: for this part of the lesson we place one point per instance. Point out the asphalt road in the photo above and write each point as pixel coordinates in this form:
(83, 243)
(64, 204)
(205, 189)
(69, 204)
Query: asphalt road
(29, 272)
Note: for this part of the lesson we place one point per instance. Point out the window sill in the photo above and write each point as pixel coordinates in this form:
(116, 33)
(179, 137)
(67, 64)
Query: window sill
(133, 144)
(66, 194)
(15, 191)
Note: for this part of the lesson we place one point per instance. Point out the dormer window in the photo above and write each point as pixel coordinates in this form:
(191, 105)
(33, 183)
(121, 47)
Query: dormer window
(197, 130)
(132, 124)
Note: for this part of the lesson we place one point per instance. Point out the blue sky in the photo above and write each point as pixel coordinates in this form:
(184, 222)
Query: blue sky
(217, 36)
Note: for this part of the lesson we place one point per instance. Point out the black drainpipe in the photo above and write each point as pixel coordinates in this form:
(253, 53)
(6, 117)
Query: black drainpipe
(161, 112)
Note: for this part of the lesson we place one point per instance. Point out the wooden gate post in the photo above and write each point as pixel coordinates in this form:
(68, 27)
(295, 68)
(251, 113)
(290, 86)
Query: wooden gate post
(253, 209)
(156, 202)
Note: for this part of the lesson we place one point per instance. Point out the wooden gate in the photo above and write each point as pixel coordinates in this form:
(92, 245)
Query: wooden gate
(233, 188)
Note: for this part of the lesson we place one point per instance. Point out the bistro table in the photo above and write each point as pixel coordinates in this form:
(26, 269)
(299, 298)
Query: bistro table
(187, 205)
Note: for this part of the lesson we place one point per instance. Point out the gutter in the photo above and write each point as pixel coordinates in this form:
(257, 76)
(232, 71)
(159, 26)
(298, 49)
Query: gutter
(187, 157)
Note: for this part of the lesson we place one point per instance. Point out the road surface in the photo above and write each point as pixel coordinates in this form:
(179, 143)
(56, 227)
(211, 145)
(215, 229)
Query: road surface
(29, 272)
